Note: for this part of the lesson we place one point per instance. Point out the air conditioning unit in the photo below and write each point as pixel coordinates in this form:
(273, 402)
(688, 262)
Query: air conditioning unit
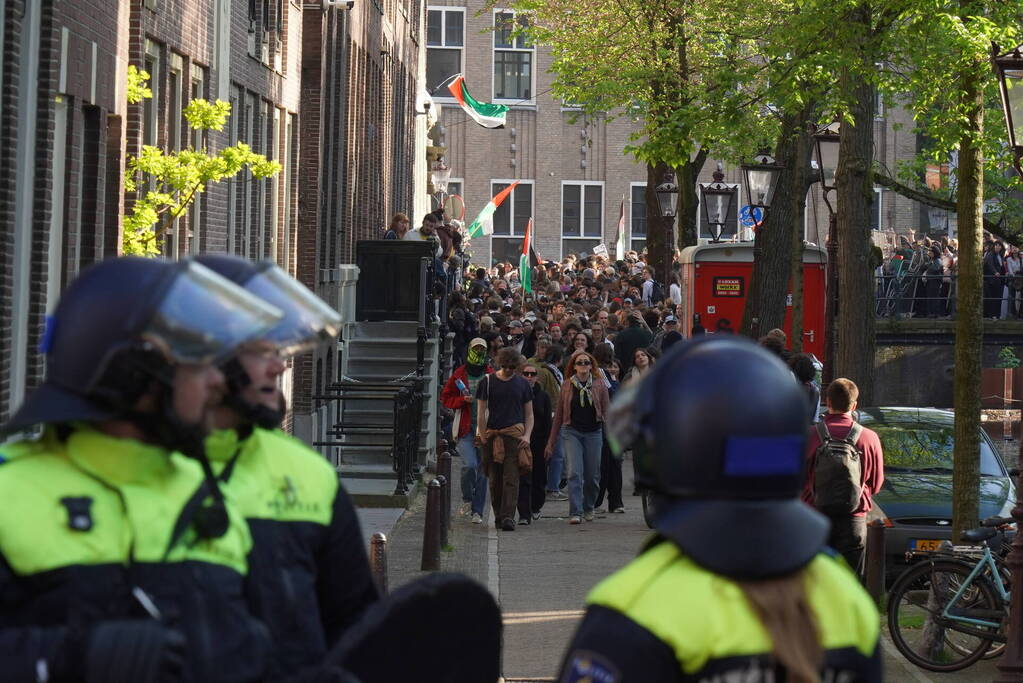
(338, 4)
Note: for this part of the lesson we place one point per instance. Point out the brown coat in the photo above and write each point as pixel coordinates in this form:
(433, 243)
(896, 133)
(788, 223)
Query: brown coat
(563, 409)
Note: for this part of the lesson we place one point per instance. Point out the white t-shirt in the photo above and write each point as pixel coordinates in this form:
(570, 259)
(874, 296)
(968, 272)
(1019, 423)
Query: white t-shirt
(675, 292)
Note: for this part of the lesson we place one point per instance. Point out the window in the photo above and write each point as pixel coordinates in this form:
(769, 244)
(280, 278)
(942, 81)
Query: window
(510, 221)
(637, 213)
(445, 38)
(173, 239)
(875, 212)
(731, 226)
(234, 130)
(513, 59)
(197, 91)
(582, 216)
(151, 105)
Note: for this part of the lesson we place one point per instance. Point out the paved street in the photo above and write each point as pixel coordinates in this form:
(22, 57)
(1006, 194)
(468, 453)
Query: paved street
(542, 573)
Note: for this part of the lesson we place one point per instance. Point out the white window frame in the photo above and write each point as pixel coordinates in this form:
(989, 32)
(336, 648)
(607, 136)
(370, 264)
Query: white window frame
(582, 213)
(630, 238)
(531, 100)
(446, 97)
(151, 123)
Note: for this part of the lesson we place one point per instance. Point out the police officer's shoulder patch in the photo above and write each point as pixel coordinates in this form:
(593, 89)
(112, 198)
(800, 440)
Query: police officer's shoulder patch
(589, 667)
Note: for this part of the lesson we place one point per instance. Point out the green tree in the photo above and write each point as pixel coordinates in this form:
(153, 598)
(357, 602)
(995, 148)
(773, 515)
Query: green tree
(168, 182)
(681, 69)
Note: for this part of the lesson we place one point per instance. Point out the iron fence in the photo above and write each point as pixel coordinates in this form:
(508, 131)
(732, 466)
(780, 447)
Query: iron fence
(910, 295)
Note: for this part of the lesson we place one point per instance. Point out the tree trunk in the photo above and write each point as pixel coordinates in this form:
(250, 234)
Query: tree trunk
(854, 344)
(689, 200)
(772, 246)
(658, 232)
(969, 319)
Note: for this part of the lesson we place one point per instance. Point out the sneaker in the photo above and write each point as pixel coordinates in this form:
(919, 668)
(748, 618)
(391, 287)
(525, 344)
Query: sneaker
(464, 509)
(536, 515)
(575, 520)
(508, 525)
(477, 518)
(523, 521)
(556, 495)
(620, 510)
(588, 516)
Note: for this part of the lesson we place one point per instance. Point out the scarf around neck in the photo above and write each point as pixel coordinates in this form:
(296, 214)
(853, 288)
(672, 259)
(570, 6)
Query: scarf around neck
(585, 390)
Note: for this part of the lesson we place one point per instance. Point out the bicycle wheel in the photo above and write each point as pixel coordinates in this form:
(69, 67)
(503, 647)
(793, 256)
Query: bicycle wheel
(918, 629)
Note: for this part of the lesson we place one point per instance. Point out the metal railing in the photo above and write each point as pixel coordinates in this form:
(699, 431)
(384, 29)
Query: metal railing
(346, 431)
(934, 296)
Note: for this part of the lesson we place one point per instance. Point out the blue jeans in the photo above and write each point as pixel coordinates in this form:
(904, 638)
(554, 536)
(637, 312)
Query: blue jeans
(583, 452)
(555, 466)
(474, 481)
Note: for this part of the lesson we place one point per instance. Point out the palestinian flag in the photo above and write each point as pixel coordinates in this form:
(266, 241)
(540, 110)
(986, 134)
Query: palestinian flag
(484, 223)
(525, 267)
(486, 114)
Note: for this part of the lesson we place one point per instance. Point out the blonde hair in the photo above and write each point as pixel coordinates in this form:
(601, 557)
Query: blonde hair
(784, 610)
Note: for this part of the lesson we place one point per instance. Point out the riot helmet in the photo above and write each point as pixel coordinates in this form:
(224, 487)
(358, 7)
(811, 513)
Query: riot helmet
(718, 433)
(307, 322)
(124, 324)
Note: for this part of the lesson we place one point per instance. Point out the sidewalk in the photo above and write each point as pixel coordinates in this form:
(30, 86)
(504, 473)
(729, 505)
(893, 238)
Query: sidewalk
(541, 574)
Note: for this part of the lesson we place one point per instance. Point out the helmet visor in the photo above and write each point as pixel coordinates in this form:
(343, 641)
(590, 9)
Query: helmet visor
(203, 317)
(308, 320)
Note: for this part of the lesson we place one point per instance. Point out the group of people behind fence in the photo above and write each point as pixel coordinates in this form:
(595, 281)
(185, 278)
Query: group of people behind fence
(918, 279)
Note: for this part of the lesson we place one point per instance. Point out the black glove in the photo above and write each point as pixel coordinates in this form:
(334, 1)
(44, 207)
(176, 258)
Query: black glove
(129, 651)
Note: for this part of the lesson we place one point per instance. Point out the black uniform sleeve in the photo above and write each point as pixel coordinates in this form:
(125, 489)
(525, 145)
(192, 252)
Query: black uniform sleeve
(611, 648)
(344, 584)
(25, 651)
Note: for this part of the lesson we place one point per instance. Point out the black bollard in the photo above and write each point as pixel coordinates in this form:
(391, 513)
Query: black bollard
(378, 561)
(445, 511)
(874, 571)
(431, 530)
(444, 469)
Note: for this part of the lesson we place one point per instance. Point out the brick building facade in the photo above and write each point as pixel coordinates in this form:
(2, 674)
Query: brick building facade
(326, 89)
(573, 174)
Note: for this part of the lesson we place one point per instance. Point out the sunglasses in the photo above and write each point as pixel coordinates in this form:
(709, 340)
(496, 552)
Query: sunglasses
(583, 362)
(529, 374)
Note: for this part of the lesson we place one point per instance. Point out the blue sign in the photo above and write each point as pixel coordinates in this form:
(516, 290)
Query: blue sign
(751, 216)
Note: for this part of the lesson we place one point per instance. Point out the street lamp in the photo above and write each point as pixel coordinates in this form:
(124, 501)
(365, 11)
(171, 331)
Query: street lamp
(826, 143)
(1009, 67)
(717, 198)
(761, 180)
(667, 200)
(439, 175)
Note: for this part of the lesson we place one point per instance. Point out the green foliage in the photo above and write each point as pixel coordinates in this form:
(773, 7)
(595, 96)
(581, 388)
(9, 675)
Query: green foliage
(137, 88)
(1007, 358)
(170, 181)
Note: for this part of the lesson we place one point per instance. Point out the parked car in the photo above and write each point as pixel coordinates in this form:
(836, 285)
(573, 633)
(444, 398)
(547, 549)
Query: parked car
(915, 502)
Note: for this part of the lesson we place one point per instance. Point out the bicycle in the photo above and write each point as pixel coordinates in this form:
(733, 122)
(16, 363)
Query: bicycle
(946, 612)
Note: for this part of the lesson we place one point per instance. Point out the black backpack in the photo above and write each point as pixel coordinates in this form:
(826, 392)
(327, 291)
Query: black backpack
(837, 472)
(657, 293)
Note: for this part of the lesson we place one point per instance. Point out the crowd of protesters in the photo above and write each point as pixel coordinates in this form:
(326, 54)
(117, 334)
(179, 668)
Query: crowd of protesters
(588, 326)
(918, 279)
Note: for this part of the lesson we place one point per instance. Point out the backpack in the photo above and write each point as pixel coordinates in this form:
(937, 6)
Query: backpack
(657, 293)
(838, 472)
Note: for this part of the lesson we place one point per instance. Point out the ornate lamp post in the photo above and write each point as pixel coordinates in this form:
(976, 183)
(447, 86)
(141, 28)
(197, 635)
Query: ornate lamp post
(667, 200)
(826, 143)
(439, 176)
(761, 181)
(1009, 67)
(717, 199)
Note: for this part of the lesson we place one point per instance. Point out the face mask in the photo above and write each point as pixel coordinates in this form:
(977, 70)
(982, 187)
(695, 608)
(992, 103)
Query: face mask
(476, 356)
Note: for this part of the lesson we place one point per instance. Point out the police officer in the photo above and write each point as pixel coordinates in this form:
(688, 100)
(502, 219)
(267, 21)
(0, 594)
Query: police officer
(118, 561)
(309, 575)
(737, 582)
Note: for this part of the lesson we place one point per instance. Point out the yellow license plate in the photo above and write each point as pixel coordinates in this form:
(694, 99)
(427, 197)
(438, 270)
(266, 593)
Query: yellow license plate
(928, 545)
